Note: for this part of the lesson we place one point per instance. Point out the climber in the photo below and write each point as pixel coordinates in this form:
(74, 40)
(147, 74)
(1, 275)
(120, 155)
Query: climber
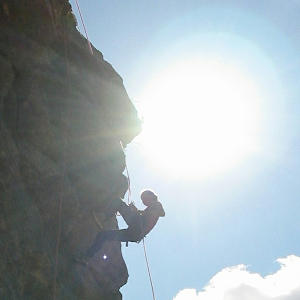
(140, 223)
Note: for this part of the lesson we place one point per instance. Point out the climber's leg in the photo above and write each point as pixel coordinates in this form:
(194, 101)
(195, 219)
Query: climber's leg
(108, 235)
(101, 237)
(128, 214)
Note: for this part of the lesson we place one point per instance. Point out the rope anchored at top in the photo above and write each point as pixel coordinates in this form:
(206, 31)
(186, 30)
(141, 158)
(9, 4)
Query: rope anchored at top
(84, 27)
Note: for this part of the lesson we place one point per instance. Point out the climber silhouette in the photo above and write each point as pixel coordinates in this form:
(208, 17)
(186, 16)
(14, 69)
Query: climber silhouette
(140, 223)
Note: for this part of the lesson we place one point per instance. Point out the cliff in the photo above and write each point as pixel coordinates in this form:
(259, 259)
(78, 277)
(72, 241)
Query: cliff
(63, 113)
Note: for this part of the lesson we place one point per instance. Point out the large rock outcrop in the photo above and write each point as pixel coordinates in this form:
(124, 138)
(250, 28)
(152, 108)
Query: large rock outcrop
(63, 113)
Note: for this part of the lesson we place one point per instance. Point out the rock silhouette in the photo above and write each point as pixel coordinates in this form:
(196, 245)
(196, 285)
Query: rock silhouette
(63, 113)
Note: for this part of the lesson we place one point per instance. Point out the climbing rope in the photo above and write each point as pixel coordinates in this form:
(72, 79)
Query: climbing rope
(84, 27)
(57, 247)
(58, 235)
(148, 269)
(128, 177)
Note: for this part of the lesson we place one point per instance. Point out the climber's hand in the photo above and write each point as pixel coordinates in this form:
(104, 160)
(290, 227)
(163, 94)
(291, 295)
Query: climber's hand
(133, 207)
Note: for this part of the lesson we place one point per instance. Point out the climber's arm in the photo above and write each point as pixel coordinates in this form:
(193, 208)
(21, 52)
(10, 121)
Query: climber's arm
(133, 208)
(159, 210)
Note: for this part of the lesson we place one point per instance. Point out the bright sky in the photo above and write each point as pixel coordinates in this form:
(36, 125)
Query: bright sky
(217, 83)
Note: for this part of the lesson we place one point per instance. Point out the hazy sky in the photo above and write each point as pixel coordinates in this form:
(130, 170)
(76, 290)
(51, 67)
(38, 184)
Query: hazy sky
(244, 217)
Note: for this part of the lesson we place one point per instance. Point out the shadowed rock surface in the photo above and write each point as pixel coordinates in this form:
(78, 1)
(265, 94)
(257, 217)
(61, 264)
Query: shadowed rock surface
(63, 113)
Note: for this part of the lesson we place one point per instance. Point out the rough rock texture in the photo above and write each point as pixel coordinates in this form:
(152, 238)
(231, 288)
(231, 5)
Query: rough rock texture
(63, 113)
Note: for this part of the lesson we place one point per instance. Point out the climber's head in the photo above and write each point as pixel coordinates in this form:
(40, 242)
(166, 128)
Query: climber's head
(148, 197)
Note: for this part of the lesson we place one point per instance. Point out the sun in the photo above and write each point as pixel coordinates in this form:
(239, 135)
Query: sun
(200, 118)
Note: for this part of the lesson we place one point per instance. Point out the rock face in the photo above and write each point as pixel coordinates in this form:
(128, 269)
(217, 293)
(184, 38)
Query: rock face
(63, 113)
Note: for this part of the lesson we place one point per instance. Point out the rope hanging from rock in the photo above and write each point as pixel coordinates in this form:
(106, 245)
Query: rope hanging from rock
(148, 269)
(84, 27)
(128, 177)
(61, 192)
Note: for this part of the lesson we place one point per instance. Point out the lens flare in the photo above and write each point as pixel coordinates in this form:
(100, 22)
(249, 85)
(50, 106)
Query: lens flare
(200, 118)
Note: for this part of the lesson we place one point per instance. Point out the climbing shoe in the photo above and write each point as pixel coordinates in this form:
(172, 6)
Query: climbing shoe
(112, 207)
(81, 259)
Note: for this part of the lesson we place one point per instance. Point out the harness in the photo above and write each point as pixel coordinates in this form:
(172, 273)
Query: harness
(141, 227)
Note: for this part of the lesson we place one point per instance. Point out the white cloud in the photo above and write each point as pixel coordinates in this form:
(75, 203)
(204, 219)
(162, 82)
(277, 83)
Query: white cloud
(238, 283)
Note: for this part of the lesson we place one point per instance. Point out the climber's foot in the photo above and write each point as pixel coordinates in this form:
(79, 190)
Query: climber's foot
(81, 259)
(112, 207)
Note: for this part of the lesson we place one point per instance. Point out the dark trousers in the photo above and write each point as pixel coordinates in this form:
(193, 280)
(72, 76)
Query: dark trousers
(132, 234)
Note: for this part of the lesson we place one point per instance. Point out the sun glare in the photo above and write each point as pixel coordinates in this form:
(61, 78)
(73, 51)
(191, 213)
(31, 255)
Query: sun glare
(200, 118)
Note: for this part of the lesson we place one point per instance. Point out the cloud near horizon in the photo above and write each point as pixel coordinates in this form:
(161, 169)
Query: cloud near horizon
(238, 283)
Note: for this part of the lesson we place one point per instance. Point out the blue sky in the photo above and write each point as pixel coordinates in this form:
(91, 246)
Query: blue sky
(247, 214)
